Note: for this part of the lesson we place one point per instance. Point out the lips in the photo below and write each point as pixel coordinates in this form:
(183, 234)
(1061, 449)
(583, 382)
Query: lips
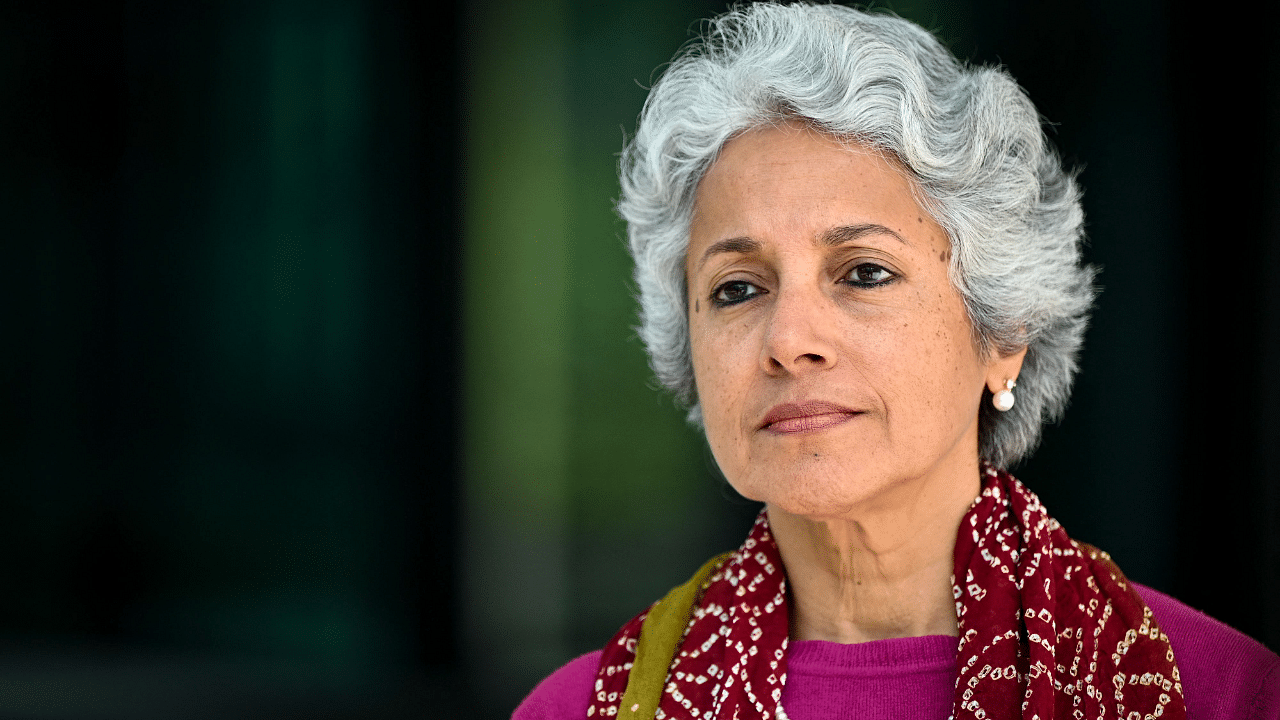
(806, 417)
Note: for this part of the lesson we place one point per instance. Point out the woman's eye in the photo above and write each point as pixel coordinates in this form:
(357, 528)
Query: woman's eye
(869, 275)
(734, 292)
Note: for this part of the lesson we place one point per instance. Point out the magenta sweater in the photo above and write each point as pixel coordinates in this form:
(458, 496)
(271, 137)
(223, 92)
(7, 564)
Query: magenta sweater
(1225, 675)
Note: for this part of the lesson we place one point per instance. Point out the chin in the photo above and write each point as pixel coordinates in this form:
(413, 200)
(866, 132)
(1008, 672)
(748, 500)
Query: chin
(811, 492)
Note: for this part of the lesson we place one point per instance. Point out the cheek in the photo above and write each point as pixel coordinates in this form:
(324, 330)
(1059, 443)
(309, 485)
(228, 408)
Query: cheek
(721, 369)
(717, 352)
(950, 372)
(926, 363)
(712, 375)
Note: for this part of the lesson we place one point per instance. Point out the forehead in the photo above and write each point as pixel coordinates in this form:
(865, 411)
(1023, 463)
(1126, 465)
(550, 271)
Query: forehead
(790, 179)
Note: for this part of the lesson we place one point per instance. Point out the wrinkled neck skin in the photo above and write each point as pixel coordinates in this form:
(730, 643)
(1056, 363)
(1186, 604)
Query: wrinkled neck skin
(883, 569)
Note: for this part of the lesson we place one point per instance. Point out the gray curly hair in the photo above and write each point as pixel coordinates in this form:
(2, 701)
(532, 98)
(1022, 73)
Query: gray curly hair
(969, 137)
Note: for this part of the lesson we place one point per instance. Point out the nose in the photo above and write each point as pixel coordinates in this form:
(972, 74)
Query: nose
(799, 336)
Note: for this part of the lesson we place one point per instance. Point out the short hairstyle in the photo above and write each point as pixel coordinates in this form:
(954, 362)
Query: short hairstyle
(968, 136)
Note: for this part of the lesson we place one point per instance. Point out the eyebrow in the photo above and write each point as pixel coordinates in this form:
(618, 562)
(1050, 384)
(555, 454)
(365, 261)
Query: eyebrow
(740, 245)
(831, 238)
(849, 233)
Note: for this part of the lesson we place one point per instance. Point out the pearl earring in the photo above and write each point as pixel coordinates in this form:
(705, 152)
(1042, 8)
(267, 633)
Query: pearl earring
(1003, 400)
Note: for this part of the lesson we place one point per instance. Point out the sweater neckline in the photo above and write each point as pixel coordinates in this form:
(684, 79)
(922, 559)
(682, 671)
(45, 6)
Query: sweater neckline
(892, 654)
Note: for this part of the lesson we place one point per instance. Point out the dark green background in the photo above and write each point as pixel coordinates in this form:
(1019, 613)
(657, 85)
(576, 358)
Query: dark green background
(318, 391)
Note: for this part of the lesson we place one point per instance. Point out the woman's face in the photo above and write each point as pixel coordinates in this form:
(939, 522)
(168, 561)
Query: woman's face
(833, 358)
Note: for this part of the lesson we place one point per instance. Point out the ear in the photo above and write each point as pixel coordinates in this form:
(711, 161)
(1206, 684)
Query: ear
(1002, 368)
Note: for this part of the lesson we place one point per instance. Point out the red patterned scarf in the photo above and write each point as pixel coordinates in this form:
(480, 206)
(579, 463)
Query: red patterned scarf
(1049, 628)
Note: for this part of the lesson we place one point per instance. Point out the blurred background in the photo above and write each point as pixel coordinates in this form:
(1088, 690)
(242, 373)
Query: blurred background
(318, 388)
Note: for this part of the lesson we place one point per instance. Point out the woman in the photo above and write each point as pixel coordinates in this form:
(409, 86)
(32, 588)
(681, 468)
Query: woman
(859, 264)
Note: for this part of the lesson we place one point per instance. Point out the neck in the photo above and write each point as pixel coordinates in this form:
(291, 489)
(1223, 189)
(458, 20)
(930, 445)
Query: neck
(882, 570)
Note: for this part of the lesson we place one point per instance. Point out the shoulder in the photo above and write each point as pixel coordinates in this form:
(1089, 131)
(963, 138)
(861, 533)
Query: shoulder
(1224, 673)
(565, 693)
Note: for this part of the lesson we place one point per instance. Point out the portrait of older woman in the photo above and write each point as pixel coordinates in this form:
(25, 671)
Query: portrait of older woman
(858, 263)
